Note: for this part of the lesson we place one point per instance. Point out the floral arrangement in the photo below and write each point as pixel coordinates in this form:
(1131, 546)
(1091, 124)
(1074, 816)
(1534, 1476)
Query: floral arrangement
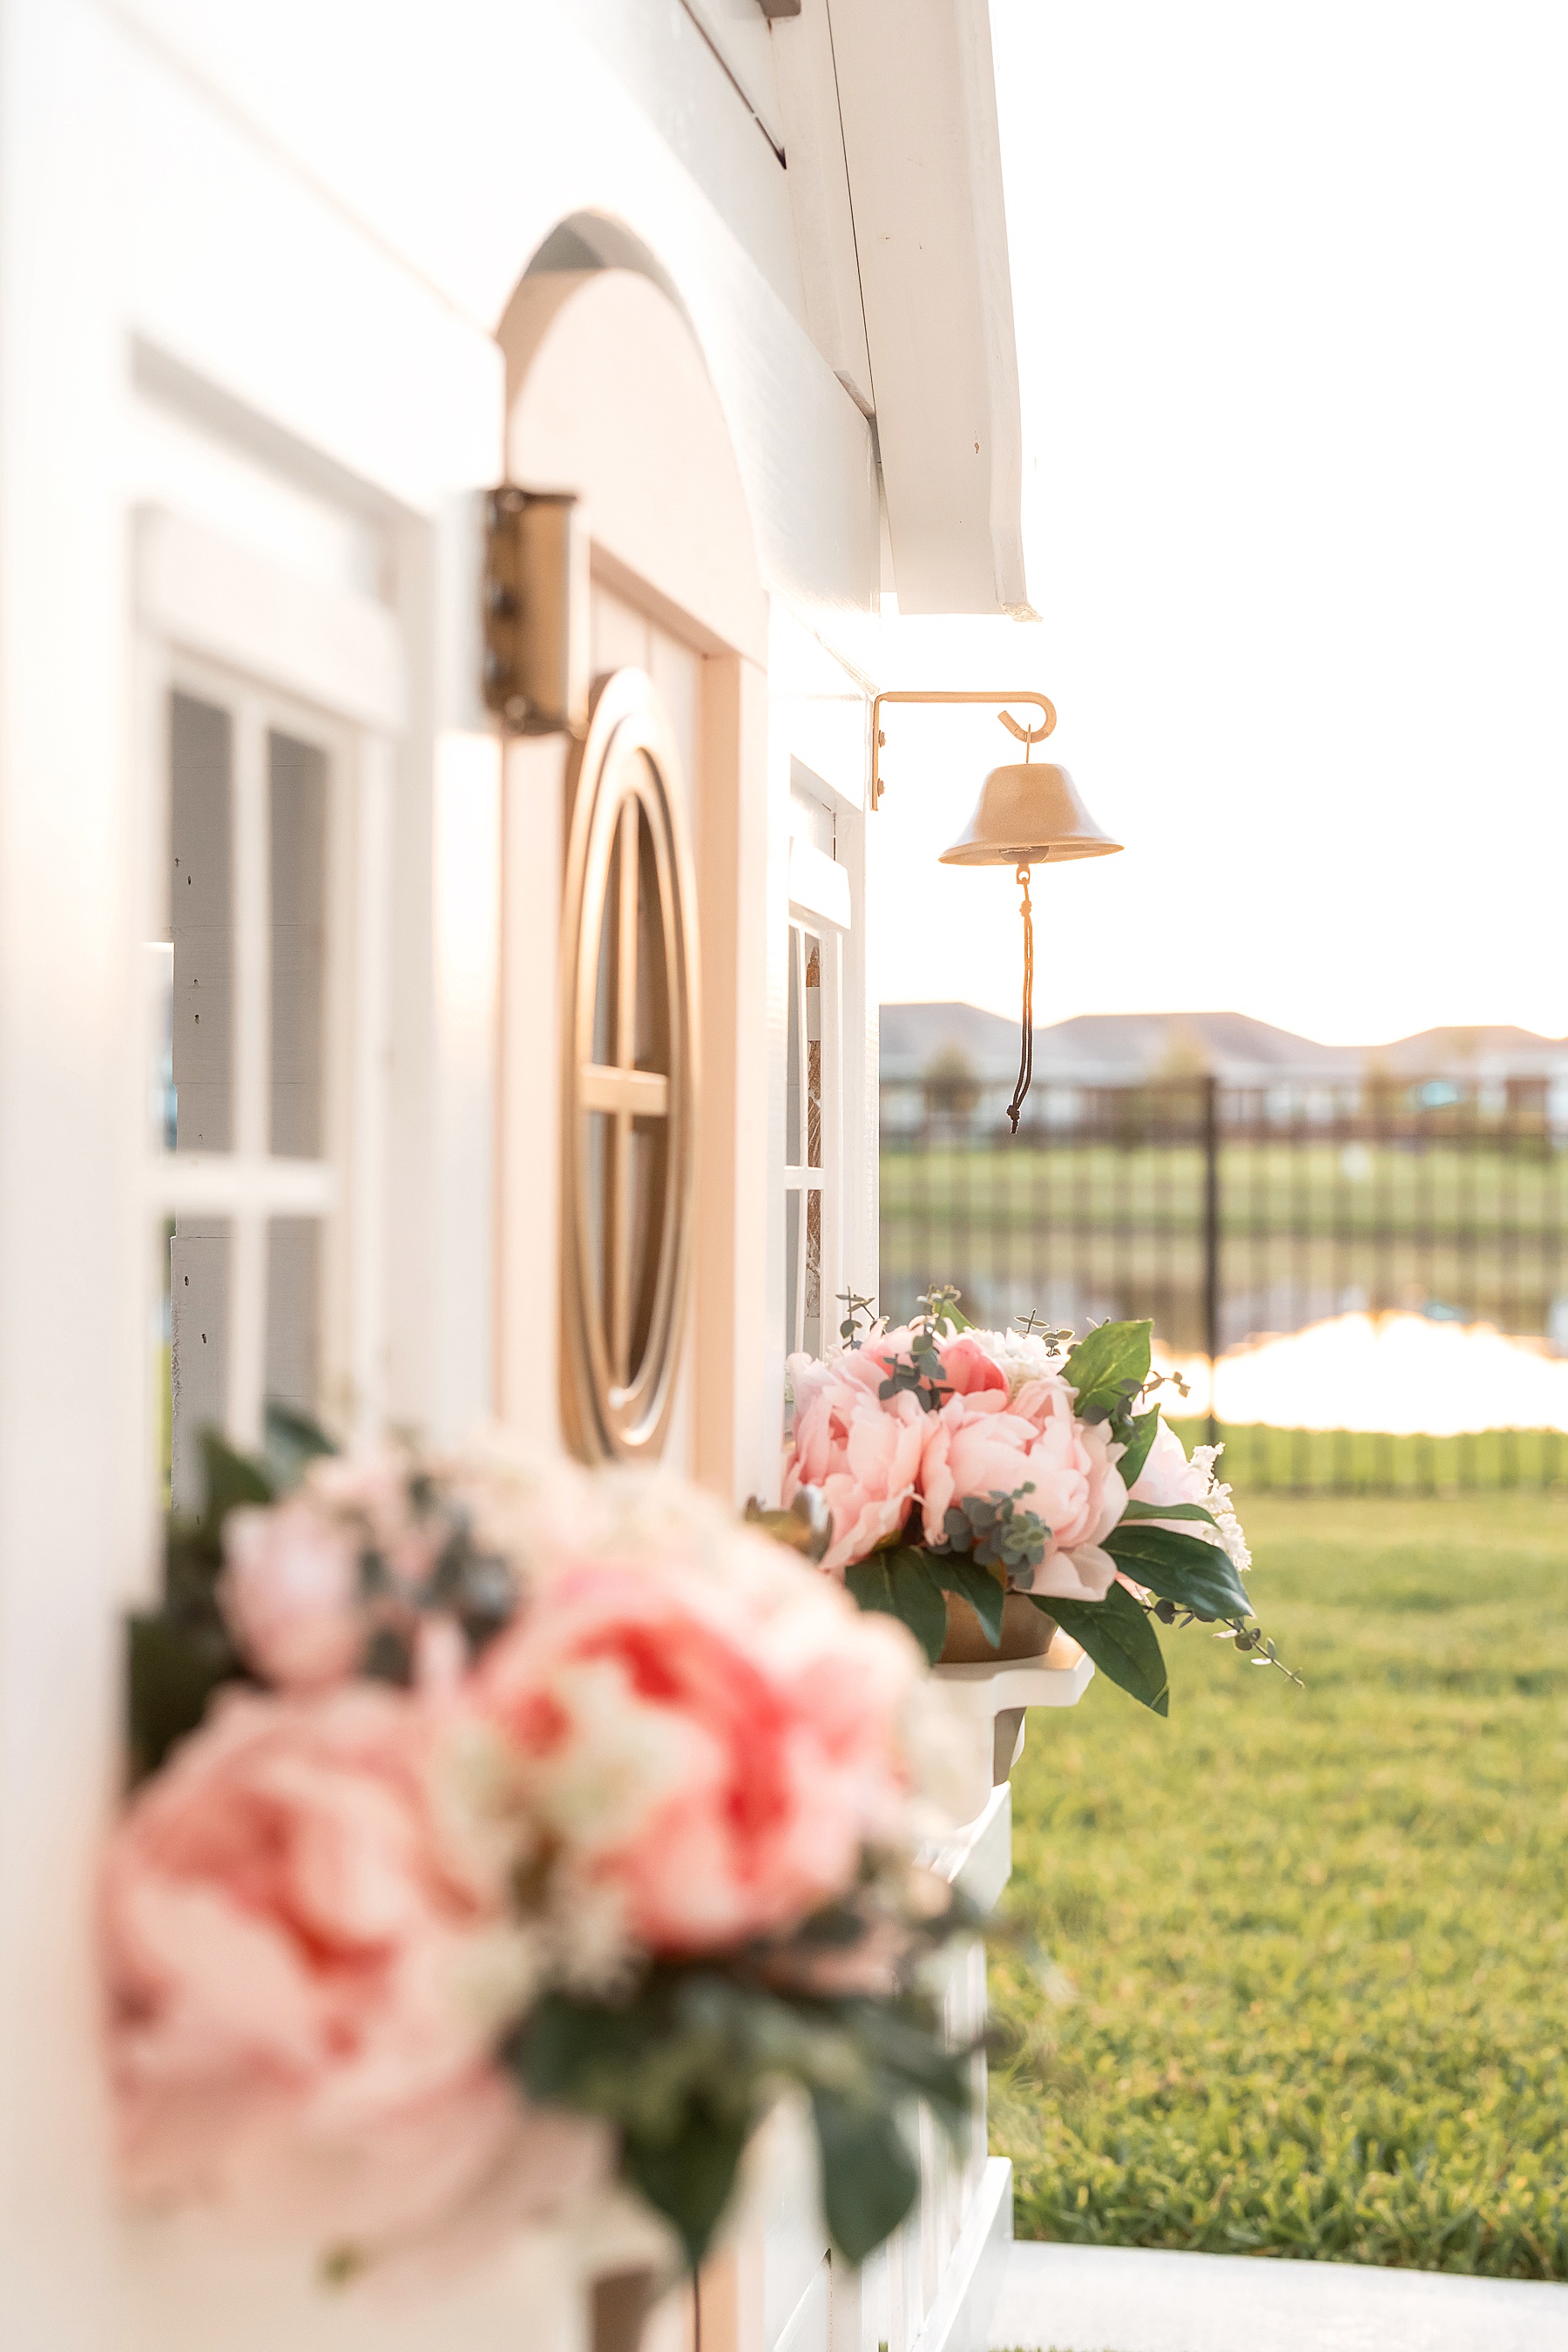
(943, 1460)
(503, 1830)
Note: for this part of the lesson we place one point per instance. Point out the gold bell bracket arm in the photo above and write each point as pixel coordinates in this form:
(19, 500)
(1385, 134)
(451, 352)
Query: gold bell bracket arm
(1025, 735)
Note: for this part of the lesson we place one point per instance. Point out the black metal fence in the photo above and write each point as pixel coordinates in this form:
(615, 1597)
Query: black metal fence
(1229, 1213)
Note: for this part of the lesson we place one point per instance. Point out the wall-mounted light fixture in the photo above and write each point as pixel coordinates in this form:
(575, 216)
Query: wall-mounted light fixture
(536, 611)
(1025, 814)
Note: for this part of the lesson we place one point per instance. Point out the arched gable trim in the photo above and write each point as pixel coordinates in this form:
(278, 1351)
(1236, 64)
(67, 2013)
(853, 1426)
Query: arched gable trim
(608, 395)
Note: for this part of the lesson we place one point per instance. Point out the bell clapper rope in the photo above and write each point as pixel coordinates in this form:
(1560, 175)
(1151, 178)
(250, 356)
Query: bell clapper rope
(1026, 1046)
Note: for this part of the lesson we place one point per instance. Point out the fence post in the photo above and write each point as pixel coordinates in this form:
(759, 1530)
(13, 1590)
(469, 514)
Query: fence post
(1211, 1240)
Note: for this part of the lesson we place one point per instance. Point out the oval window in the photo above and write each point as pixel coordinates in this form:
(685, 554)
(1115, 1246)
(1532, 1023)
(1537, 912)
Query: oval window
(630, 1059)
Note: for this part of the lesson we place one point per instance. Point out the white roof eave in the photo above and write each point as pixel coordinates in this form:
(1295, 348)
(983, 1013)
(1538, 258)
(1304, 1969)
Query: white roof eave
(917, 96)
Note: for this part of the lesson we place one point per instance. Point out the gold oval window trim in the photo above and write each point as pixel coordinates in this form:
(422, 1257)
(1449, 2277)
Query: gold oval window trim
(631, 1063)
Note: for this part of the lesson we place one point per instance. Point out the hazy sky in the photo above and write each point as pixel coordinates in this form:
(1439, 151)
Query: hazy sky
(1293, 325)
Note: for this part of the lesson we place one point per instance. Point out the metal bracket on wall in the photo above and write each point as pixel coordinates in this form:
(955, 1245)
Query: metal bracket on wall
(536, 611)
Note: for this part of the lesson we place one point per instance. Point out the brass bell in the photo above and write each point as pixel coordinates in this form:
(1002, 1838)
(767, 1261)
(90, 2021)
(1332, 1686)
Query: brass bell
(1026, 813)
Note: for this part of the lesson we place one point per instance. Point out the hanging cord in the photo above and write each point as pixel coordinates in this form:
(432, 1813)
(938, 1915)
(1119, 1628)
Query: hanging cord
(1026, 1046)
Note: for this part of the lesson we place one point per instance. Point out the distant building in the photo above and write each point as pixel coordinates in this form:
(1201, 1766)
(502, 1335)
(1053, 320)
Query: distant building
(949, 1046)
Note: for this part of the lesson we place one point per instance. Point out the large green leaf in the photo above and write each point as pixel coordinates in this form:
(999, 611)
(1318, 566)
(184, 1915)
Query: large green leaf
(689, 2178)
(173, 1670)
(1120, 1639)
(1196, 1575)
(230, 1479)
(904, 1584)
(293, 1442)
(870, 2180)
(986, 1593)
(687, 2065)
(1103, 1363)
(1137, 1453)
(1163, 1511)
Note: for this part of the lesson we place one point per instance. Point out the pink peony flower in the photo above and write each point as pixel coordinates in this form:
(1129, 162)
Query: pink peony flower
(863, 1452)
(1167, 1476)
(972, 1449)
(285, 1948)
(969, 1371)
(290, 1594)
(710, 1757)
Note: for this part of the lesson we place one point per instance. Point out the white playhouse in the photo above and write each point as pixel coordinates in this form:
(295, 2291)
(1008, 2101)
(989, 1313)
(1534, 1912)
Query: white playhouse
(404, 409)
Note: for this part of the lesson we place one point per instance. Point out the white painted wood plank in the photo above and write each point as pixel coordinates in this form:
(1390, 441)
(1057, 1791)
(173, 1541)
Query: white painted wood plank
(1083, 2298)
(959, 2318)
(808, 2326)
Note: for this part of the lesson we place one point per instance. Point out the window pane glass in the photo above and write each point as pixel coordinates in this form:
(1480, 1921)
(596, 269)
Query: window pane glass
(202, 924)
(811, 1337)
(293, 1313)
(651, 1044)
(199, 1266)
(297, 796)
(791, 1272)
(812, 1051)
(793, 1065)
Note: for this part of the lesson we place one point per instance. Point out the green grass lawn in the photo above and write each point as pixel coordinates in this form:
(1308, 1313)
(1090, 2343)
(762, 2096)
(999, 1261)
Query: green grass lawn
(1290, 1970)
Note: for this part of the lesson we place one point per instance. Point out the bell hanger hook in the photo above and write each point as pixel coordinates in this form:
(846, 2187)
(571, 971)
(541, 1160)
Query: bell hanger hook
(1028, 736)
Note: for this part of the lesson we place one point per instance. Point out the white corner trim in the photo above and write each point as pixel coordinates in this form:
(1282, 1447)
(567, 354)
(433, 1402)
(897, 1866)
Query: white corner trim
(1022, 1682)
(988, 1704)
(960, 2318)
(977, 1861)
(203, 593)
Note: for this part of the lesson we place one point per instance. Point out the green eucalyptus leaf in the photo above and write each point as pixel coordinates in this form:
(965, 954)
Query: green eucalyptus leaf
(1144, 1430)
(1163, 1511)
(987, 1594)
(870, 2180)
(1103, 1361)
(1196, 1575)
(1120, 1639)
(903, 1584)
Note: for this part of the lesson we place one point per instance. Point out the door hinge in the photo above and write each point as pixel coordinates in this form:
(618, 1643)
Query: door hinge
(536, 611)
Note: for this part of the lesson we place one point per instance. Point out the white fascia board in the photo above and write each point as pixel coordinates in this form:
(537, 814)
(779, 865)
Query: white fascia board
(917, 96)
(819, 187)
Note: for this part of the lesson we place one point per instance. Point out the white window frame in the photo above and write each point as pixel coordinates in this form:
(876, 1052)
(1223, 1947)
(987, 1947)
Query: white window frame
(819, 903)
(286, 655)
(801, 1180)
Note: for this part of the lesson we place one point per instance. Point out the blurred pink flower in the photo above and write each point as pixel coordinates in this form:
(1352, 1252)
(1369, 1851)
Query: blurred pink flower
(289, 1593)
(862, 1452)
(370, 1494)
(712, 1757)
(287, 1948)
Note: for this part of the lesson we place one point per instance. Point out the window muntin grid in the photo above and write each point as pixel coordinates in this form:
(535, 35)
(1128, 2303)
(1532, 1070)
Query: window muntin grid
(811, 955)
(243, 1181)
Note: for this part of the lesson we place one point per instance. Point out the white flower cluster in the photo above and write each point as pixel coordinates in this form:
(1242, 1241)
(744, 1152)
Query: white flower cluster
(1022, 1356)
(1219, 1502)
